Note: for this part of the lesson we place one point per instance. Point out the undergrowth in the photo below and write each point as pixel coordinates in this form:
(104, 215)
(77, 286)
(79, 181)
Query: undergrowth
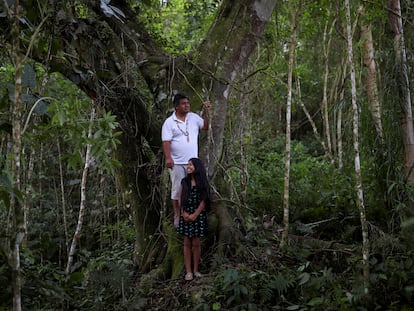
(309, 274)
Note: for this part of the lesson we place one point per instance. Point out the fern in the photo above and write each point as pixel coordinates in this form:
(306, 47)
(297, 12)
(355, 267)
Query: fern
(281, 284)
(265, 293)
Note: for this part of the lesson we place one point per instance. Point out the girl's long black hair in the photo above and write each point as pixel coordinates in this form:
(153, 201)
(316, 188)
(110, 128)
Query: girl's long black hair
(202, 183)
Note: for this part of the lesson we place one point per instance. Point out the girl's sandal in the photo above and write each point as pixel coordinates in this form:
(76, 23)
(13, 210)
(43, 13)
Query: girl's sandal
(198, 274)
(189, 276)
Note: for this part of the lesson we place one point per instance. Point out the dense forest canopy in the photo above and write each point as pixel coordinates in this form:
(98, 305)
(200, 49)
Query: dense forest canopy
(309, 153)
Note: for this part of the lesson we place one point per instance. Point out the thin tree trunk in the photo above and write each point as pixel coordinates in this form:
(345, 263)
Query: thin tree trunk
(339, 135)
(82, 207)
(292, 47)
(104, 217)
(371, 76)
(360, 192)
(396, 25)
(333, 96)
(310, 119)
(28, 191)
(243, 121)
(340, 149)
(120, 203)
(325, 111)
(62, 197)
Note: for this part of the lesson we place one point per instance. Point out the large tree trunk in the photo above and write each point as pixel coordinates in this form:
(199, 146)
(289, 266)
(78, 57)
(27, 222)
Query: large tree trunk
(116, 62)
(15, 232)
(395, 20)
(370, 76)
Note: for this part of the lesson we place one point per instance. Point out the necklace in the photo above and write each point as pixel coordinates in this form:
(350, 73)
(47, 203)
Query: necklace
(186, 133)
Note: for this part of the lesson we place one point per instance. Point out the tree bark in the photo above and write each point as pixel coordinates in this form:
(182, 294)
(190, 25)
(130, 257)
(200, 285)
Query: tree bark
(62, 196)
(28, 191)
(244, 126)
(292, 46)
(371, 76)
(327, 36)
(403, 84)
(15, 231)
(358, 174)
(339, 134)
(82, 206)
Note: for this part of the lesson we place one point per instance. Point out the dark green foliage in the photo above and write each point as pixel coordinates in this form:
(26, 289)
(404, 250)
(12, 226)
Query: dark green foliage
(317, 189)
(44, 250)
(245, 288)
(100, 283)
(106, 281)
(178, 26)
(306, 276)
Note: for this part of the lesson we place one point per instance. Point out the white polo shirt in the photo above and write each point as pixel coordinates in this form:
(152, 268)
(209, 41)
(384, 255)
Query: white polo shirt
(183, 147)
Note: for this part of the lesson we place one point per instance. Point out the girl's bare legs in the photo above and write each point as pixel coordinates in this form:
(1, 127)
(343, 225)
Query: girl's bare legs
(187, 254)
(196, 243)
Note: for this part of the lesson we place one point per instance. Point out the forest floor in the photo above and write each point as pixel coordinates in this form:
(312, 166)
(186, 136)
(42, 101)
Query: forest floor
(226, 281)
(311, 273)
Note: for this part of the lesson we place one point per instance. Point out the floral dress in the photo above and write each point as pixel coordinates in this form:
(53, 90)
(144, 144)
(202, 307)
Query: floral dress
(198, 227)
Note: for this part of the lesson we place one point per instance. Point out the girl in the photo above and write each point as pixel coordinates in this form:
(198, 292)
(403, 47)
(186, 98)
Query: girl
(194, 199)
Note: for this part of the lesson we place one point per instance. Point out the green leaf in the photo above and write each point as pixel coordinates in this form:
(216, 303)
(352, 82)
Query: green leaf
(408, 223)
(29, 77)
(316, 301)
(4, 196)
(5, 181)
(41, 107)
(76, 277)
(304, 278)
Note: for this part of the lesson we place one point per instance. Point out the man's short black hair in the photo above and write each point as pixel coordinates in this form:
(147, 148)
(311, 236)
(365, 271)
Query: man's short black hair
(178, 97)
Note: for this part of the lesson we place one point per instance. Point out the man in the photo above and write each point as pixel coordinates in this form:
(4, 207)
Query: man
(180, 143)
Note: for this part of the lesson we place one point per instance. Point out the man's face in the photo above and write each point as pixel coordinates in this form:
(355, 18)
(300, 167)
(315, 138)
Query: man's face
(183, 107)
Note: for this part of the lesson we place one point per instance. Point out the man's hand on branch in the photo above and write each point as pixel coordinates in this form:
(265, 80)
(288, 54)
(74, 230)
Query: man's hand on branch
(207, 105)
